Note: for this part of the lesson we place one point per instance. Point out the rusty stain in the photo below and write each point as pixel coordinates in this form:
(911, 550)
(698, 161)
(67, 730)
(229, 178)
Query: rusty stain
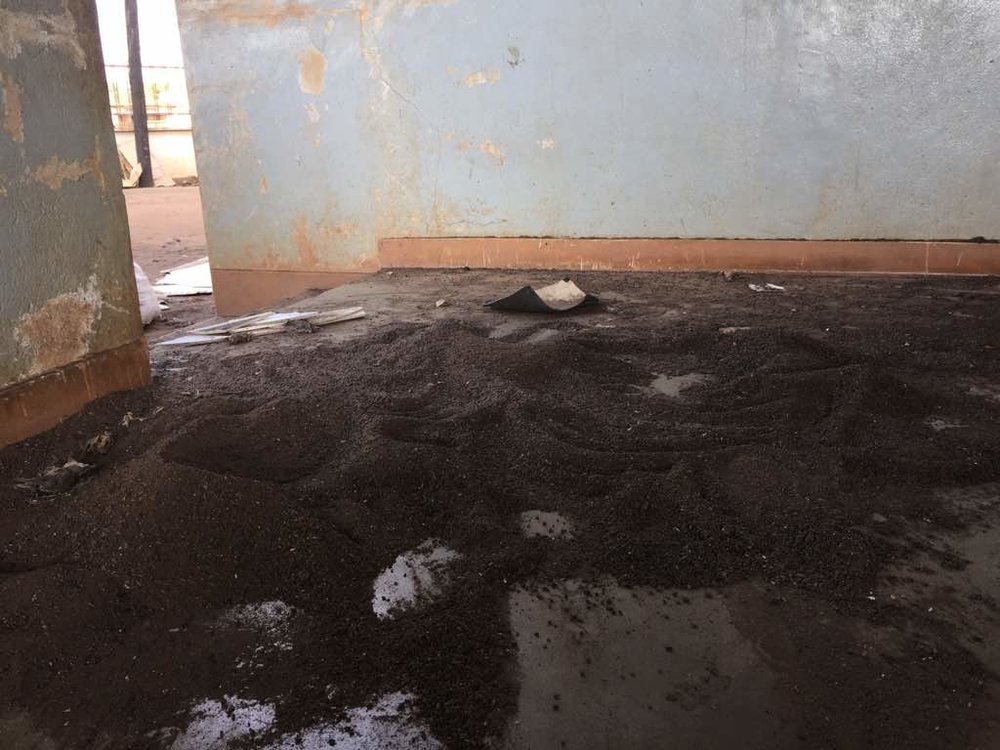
(55, 171)
(312, 68)
(49, 31)
(494, 152)
(12, 121)
(304, 243)
(481, 78)
(263, 186)
(316, 249)
(262, 12)
(58, 333)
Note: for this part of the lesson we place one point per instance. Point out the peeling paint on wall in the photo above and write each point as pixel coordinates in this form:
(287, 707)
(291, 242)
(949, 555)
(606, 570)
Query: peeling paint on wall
(13, 123)
(67, 286)
(481, 78)
(311, 241)
(60, 330)
(493, 151)
(55, 171)
(737, 121)
(258, 12)
(55, 31)
(312, 67)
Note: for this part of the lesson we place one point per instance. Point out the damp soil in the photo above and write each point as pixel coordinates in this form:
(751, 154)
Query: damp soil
(798, 465)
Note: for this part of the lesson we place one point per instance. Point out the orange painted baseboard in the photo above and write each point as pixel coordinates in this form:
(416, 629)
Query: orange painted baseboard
(870, 256)
(241, 291)
(35, 405)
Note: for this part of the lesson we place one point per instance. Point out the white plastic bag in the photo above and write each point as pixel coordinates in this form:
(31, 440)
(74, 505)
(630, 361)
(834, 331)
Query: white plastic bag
(149, 305)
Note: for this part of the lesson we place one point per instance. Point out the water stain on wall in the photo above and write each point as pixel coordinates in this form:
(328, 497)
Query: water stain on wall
(13, 123)
(312, 68)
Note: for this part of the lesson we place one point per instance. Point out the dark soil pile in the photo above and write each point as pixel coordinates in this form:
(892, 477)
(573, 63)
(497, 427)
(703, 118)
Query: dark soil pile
(301, 478)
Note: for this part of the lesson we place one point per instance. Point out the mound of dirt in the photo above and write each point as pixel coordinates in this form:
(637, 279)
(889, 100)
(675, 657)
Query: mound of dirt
(797, 465)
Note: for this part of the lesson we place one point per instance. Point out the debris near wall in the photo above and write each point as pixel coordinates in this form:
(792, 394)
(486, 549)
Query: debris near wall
(186, 280)
(562, 296)
(242, 330)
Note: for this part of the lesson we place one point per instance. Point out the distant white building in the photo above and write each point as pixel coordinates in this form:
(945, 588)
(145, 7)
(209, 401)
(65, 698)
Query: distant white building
(167, 109)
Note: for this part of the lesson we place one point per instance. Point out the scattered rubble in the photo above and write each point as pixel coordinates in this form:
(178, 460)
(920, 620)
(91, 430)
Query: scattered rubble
(57, 480)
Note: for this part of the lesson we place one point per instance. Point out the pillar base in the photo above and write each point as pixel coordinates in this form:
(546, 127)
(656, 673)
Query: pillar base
(35, 405)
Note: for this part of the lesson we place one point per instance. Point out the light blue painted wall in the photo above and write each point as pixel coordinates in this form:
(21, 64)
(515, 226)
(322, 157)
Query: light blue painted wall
(680, 118)
(67, 287)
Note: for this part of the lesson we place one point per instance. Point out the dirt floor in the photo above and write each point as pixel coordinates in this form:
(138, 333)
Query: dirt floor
(694, 516)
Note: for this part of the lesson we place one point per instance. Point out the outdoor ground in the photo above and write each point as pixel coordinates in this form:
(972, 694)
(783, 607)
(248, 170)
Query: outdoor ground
(167, 231)
(754, 520)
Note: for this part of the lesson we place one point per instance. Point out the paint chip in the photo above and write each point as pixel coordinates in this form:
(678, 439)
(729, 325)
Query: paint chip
(481, 78)
(312, 68)
(59, 331)
(547, 144)
(55, 172)
(494, 152)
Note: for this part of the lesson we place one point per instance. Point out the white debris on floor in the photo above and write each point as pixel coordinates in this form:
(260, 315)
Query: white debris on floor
(186, 280)
(149, 305)
(985, 389)
(261, 324)
(388, 725)
(765, 288)
(673, 385)
(938, 425)
(215, 725)
(415, 577)
(547, 524)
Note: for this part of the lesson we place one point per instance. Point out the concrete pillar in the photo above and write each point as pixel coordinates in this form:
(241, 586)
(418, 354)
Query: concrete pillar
(69, 318)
